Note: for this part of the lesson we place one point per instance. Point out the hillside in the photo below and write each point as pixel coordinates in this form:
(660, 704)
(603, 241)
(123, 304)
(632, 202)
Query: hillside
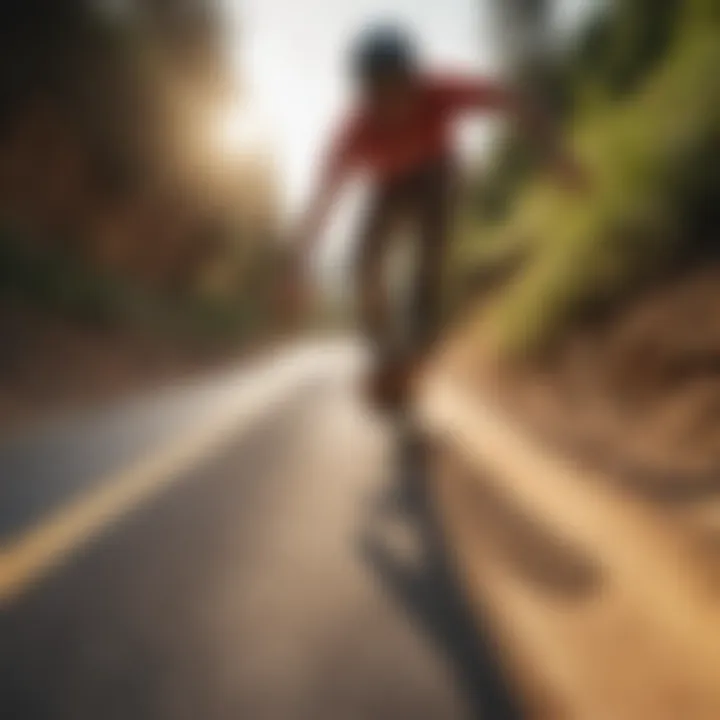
(603, 333)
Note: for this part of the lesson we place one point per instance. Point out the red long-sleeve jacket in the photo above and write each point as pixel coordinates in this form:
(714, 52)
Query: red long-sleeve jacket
(424, 134)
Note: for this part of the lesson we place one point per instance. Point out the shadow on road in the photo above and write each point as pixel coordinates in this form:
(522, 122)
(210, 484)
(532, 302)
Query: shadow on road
(426, 585)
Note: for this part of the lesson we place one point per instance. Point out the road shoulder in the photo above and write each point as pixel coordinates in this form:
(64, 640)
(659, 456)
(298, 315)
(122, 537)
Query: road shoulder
(601, 601)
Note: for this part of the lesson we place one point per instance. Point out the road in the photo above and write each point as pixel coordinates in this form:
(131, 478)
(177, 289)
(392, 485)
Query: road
(242, 547)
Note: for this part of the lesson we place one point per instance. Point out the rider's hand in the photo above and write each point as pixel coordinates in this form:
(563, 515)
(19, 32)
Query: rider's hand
(571, 174)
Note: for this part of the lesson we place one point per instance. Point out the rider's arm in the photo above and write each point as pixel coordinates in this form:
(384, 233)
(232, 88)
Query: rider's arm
(332, 177)
(482, 94)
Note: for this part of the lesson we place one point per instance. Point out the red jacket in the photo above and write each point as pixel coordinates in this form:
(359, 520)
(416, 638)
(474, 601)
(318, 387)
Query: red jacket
(424, 135)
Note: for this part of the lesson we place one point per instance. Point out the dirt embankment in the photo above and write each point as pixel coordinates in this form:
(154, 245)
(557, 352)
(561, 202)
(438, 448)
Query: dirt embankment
(637, 392)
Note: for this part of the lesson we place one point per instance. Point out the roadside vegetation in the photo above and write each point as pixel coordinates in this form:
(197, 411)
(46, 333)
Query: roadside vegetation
(122, 198)
(639, 95)
(137, 230)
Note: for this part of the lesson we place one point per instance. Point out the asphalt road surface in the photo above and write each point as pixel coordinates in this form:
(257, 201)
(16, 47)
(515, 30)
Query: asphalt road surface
(250, 546)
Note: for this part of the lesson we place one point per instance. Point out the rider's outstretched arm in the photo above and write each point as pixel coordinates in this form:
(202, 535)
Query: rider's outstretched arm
(294, 295)
(486, 95)
(332, 178)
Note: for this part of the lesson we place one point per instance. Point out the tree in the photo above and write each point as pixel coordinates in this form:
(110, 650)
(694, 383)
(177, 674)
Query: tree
(126, 88)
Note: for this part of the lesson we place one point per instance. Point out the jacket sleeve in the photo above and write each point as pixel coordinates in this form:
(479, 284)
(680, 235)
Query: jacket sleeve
(342, 155)
(458, 94)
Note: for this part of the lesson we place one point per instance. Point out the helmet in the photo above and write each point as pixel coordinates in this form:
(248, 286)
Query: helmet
(383, 50)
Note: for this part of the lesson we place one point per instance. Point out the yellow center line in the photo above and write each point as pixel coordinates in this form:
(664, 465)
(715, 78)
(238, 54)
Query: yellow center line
(26, 559)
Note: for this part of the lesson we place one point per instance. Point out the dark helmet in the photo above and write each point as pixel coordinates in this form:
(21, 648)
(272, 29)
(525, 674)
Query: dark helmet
(383, 50)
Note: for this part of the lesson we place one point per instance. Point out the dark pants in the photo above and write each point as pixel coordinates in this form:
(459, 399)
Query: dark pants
(424, 199)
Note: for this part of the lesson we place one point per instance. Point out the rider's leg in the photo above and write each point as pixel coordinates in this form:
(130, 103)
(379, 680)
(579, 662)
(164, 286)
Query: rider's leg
(373, 298)
(436, 197)
(385, 387)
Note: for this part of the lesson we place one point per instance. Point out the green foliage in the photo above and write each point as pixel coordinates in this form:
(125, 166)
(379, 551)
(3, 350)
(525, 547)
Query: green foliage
(612, 56)
(653, 158)
(642, 31)
(52, 281)
(61, 285)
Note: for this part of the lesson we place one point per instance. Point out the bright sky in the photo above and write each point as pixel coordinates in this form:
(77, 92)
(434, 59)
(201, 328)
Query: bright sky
(292, 56)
